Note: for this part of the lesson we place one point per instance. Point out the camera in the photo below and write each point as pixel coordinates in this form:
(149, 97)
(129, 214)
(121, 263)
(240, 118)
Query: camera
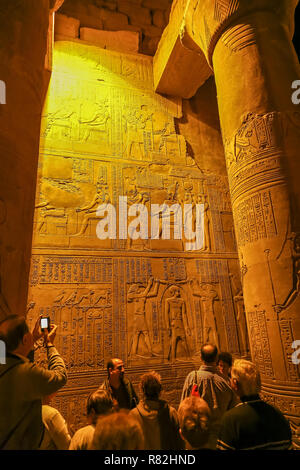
(45, 323)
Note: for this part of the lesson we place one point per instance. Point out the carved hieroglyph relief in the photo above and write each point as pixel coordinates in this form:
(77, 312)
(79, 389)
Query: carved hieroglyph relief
(106, 134)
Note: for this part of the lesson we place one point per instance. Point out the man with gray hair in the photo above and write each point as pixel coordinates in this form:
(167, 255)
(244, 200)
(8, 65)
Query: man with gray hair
(253, 424)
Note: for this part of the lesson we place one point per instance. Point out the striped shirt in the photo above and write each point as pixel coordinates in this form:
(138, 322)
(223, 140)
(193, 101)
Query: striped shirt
(217, 393)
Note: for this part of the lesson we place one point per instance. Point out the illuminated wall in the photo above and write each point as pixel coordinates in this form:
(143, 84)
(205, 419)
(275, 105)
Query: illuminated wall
(106, 134)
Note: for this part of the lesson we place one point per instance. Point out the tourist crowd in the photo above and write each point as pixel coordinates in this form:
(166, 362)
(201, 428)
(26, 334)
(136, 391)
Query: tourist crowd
(220, 405)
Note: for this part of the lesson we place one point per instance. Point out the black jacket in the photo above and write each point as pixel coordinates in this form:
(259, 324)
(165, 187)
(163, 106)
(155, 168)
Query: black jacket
(132, 396)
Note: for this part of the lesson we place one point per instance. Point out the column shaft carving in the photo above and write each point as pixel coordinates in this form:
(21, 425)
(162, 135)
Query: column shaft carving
(248, 44)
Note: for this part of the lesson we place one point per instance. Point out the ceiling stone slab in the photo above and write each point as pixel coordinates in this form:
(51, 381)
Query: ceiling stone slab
(177, 55)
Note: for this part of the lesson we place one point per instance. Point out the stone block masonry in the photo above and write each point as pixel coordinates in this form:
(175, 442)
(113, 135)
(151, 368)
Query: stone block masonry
(147, 17)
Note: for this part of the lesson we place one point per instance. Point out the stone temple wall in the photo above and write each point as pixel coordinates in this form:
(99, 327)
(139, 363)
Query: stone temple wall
(147, 18)
(105, 134)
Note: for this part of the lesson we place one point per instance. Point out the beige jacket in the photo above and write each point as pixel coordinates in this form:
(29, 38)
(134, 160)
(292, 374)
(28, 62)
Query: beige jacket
(22, 386)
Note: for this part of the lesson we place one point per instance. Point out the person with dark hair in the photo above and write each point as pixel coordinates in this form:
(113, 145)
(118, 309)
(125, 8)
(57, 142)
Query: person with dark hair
(120, 388)
(158, 420)
(212, 388)
(23, 384)
(224, 364)
(99, 403)
(194, 421)
(118, 431)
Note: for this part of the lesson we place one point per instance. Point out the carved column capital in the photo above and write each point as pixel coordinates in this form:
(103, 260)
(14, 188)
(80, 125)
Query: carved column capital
(207, 20)
(55, 5)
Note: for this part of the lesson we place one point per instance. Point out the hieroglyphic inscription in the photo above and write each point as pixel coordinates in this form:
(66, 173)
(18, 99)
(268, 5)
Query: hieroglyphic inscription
(72, 408)
(287, 340)
(174, 269)
(260, 342)
(106, 134)
(110, 119)
(288, 405)
(207, 270)
(70, 270)
(227, 304)
(82, 314)
(34, 279)
(255, 218)
(137, 269)
(215, 217)
(116, 307)
(155, 323)
(121, 332)
(199, 323)
(256, 138)
(254, 154)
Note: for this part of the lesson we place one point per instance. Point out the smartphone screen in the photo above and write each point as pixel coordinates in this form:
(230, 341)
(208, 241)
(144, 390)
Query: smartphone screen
(45, 323)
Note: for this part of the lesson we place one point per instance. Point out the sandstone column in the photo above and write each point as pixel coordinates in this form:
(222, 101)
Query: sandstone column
(248, 45)
(23, 47)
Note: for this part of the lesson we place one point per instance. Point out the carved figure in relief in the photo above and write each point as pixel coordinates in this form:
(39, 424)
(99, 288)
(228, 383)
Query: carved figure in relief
(243, 267)
(208, 295)
(101, 197)
(47, 210)
(70, 301)
(167, 220)
(296, 275)
(102, 296)
(94, 117)
(84, 298)
(136, 196)
(59, 298)
(240, 314)
(177, 318)
(62, 123)
(135, 127)
(138, 295)
(202, 199)
(256, 133)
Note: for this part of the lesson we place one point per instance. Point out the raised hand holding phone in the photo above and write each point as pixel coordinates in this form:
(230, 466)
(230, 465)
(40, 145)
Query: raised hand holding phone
(50, 335)
(45, 323)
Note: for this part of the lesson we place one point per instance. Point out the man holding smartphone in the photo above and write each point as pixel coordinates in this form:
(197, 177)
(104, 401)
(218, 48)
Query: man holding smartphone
(23, 384)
